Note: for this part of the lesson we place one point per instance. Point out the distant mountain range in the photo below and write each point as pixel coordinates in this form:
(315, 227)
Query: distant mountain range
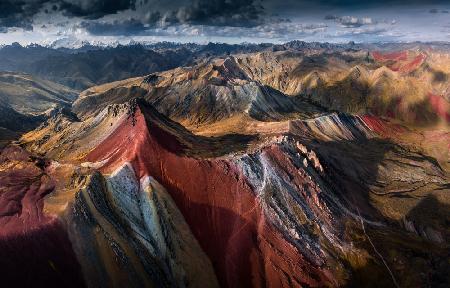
(86, 65)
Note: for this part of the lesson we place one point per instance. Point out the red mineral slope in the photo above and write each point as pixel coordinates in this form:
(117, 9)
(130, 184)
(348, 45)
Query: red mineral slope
(413, 64)
(34, 248)
(381, 127)
(23, 189)
(218, 203)
(440, 106)
(394, 56)
(401, 61)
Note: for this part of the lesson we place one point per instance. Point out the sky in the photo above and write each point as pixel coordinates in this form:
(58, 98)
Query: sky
(68, 22)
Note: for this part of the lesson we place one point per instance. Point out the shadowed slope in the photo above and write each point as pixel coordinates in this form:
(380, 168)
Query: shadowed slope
(34, 248)
(23, 101)
(28, 94)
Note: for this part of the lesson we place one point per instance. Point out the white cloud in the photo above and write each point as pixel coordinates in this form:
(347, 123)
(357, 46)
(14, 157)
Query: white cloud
(351, 21)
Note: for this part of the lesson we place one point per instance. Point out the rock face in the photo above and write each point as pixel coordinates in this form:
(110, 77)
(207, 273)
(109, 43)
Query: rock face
(144, 238)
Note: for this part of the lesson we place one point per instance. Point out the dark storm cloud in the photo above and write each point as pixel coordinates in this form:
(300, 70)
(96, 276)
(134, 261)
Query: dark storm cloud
(237, 13)
(20, 13)
(369, 3)
(222, 12)
(307, 6)
(434, 11)
(93, 8)
(115, 28)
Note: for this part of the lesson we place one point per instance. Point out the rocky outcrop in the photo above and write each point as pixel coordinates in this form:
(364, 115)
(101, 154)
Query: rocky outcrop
(332, 127)
(128, 232)
(225, 210)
